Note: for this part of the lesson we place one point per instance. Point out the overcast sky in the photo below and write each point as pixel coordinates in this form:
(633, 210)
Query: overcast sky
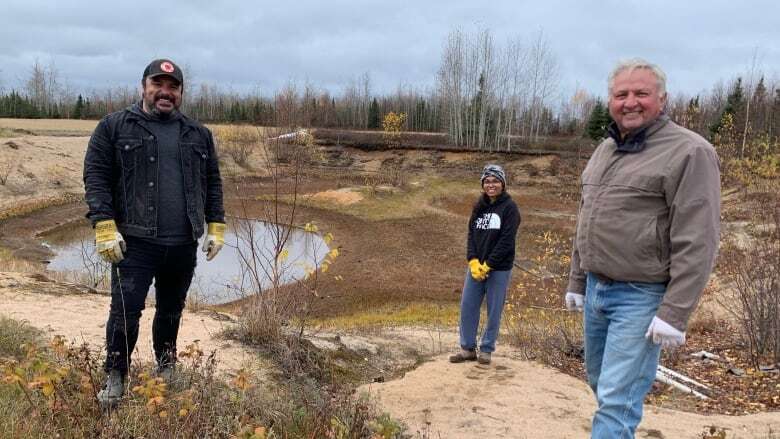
(261, 45)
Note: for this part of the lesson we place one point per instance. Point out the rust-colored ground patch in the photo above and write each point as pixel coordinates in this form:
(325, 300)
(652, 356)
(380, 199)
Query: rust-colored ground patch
(344, 197)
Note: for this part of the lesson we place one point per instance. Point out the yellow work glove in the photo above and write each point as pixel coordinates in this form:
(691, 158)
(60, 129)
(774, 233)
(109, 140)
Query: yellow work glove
(109, 242)
(215, 239)
(474, 267)
(484, 269)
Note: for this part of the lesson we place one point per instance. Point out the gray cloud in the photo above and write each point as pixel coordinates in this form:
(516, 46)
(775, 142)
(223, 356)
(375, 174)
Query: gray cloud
(243, 45)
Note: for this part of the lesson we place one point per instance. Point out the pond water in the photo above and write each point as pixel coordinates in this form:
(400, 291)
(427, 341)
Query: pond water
(234, 274)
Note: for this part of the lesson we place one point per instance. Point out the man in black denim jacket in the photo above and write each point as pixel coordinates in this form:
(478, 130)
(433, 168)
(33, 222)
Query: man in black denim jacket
(152, 180)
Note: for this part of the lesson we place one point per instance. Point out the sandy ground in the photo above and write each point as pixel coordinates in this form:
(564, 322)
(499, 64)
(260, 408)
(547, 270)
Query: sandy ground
(520, 399)
(64, 309)
(37, 168)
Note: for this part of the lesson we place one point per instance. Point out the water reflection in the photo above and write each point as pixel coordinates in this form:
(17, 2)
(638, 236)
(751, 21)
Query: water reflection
(244, 266)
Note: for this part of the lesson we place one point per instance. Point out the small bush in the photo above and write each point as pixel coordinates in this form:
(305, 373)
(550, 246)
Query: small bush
(752, 271)
(535, 318)
(392, 125)
(238, 141)
(49, 391)
(14, 335)
(294, 148)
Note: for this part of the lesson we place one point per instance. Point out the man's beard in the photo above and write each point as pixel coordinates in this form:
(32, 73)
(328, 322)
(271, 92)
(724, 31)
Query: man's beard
(161, 115)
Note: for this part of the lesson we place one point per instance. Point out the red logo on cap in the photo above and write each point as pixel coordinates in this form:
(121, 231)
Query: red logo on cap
(166, 67)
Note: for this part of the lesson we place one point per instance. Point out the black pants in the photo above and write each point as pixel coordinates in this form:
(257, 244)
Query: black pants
(172, 268)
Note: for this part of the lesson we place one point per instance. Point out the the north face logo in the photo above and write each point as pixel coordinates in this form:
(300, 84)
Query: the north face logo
(488, 221)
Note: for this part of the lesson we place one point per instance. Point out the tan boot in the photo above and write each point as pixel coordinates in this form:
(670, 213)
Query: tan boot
(483, 358)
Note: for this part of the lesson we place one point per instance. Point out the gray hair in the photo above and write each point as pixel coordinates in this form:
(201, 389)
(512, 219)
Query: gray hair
(638, 63)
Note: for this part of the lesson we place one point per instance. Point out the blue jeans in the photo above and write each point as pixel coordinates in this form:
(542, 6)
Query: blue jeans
(621, 363)
(171, 268)
(494, 289)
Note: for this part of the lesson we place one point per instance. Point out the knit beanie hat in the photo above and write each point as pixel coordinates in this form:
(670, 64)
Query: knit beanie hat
(493, 171)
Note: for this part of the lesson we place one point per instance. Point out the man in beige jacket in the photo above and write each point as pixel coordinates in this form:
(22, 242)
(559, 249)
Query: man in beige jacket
(645, 245)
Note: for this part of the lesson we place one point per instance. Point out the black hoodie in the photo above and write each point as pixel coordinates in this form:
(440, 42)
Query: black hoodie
(492, 232)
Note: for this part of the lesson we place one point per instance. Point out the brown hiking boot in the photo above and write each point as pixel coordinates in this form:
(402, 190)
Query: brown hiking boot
(463, 355)
(483, 358)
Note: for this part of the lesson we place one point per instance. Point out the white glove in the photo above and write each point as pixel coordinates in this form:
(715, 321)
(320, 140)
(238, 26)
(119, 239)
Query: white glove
(665, 334)
(215, 239)
(574, 301)
(109, 243)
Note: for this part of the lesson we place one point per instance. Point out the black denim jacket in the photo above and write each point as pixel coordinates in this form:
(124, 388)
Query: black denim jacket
(121, 174)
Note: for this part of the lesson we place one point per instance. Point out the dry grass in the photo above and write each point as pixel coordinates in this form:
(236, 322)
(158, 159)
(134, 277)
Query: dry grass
(24, 208)
(49, 126)
(14, 335)
(7, 132)
(49, 391)
(384, 202)
(414, 314)
(11, 264)
(408, 202)
(85, 127)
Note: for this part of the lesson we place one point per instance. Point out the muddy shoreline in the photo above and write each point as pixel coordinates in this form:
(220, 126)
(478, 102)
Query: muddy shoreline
(371, 261)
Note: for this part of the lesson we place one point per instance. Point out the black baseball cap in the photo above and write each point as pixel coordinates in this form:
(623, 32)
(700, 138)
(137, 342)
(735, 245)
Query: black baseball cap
(161, 67)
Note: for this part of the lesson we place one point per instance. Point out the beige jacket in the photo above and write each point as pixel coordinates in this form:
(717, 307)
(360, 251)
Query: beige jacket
(651, 216)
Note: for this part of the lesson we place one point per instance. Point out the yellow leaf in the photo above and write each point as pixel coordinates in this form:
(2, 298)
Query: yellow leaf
(163, 414)
(284, 255)
(334, 253)
(47, 389)
(183, 412)
(325, 268)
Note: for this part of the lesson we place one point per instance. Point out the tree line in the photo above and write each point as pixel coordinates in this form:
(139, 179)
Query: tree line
(487, 96)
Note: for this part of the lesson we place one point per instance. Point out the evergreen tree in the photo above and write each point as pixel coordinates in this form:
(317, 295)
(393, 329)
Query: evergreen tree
(735, 104)
(86, 112)
(54, 111)
(774, 118)
(598, 122)
(78, 109)
(759, 108)
(374, 119)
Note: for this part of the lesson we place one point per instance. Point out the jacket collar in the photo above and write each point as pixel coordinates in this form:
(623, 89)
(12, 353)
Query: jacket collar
(635, 142)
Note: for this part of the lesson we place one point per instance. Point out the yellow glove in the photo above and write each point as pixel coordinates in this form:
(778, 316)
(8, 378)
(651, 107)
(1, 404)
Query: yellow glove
(474, 267)
(484, 269)
(215, 239)
(109, 242)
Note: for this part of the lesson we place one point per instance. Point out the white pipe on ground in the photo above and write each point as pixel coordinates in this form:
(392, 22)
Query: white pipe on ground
(662, 377)
(681, 377)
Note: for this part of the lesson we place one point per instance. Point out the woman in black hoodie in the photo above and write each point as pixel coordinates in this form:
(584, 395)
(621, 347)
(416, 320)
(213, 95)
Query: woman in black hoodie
(491, 254)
